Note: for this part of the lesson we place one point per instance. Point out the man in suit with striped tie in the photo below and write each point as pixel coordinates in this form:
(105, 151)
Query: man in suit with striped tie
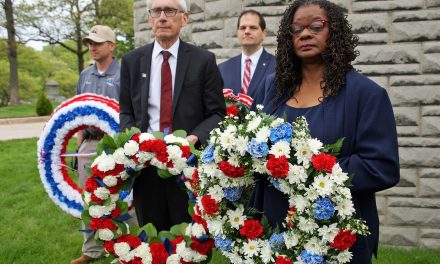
(245, 72)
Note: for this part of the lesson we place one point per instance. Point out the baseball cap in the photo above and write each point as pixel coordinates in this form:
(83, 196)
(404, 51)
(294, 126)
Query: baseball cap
(99, 34)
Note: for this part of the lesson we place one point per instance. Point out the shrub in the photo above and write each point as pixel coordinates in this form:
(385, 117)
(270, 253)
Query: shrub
(44, 106)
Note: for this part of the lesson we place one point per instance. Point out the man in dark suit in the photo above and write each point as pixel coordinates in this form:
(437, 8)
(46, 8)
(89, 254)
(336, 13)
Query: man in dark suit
(245, 72)
(168, 85)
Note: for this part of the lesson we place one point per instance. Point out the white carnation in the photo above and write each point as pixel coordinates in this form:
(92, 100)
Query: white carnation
(328, 233)
(145, 137)
(105, 234)
(314, 245)
(216, 193)
(102, 193)
(110, 181)
(197, 230)
(291, 239)
(299, 202)
(131, 147)
(122, 248)
(307, 225)
(253, 124)
(241, 145)
(143, 252)
(263, 134)
(276, 122)
(106, 162)
(173, 259)
(215, 227)
(344, 257)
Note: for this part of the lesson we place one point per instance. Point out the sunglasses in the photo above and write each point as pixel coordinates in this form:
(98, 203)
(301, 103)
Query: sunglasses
(315, 27)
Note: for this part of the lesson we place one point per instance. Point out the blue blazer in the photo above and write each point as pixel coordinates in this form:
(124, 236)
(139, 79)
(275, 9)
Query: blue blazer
(362, 113)
(231, 72)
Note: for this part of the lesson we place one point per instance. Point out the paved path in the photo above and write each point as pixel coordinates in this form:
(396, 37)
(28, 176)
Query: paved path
(26, 127)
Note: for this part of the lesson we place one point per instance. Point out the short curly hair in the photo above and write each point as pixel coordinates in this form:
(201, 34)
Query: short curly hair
(337, 57)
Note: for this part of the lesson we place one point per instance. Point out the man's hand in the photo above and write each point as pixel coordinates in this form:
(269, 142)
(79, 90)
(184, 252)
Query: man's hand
(192, 138)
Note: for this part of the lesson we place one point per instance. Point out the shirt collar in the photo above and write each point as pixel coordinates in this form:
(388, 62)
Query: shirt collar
(111, 70)
(254, 57)
(174, 49)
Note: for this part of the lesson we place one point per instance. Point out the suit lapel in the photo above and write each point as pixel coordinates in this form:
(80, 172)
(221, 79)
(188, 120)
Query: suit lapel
(182, 65)
(260, 71)
(144, 84)
(236, 75)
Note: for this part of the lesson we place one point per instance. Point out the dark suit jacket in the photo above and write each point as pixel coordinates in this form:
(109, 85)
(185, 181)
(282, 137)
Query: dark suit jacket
(362, 113)
(198, 103)
(231, 72)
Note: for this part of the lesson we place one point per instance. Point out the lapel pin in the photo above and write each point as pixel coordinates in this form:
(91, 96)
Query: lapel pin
(144, 75)
(264, 64)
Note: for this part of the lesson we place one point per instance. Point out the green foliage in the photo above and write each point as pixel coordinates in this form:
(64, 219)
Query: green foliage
(66, 80)
(44, 106)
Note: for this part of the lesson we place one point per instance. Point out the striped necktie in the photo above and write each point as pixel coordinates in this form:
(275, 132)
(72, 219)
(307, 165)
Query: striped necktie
(246, 76)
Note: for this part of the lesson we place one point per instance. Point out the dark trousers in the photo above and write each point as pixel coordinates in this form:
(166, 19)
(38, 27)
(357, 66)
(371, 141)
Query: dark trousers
(161, 202)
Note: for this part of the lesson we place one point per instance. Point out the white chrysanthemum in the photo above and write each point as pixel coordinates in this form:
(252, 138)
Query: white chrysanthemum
(122, 248)
(263, 134)
(281, 148)
(106, 162)
(231, 129)
(314, 145)
(236, 217)
(299, 202)
(105, 234)
(233, 257)
(323, 185)
(143, 252)
(227, 141)
(296, 174)
(337, 175)
(345, 208)
(267, 254)
(344, 257)
(216, 193)
(303, 153)
(260, 107)
(131, 148)
(234, 160)
(253, 124)
(344, 192)
(307, 225)
(328, 233)
(251, 248)
(259, 166)
(291, 239)
(217, 156)
(197, 230)
(209, 169)
(277, 122)
(145, 137)
(102, 193)
(241, 145)
(285, 187)
(173, 259)
(311, 194)
(110, 181)
(314, 245)
(215, 227)
(171, 139)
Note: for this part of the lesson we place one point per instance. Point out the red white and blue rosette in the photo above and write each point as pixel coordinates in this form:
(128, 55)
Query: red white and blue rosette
(68, 118)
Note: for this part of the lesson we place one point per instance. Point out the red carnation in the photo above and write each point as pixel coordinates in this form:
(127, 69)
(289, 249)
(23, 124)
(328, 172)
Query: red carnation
(135, 137)
(209, 205)
(114, 189)
(199, 220)
(159, 253)
(251, 229)
(109, 246)
(283, 260)
(117, 212)
(202, 248)
(133, 241)
(136, 260)
(343, 240)
(101, 223)
(118, 169)
(324, 162)
(186, 151)
(96, 199)
(231, 110)
(230, 170)
(278, 167)
(91, 185)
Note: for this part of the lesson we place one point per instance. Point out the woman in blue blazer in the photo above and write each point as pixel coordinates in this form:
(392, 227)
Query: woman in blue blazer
(314, 78)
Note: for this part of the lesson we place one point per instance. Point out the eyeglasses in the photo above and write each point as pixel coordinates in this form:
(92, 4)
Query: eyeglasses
(169, 12)
(315, 27)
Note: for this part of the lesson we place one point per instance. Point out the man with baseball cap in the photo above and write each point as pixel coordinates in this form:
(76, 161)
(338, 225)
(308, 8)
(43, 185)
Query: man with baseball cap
(101, 78)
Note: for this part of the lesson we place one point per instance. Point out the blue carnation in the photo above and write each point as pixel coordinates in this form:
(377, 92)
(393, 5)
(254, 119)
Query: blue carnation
(257, 149)
(276, 241)
(282, 132)
(323, 209)
(310, 258)
(275, 184)
(232, 194)
(208, 154)
(224, 244)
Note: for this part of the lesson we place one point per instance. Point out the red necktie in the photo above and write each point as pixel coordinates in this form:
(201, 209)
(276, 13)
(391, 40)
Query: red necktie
(166, 95)
(246, 76)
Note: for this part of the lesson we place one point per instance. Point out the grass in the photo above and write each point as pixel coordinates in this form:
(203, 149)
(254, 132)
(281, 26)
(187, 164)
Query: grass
(21, 110)
(34, 230)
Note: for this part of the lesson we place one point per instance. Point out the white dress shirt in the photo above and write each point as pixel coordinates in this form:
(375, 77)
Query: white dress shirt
(155, 81)
(254, 61)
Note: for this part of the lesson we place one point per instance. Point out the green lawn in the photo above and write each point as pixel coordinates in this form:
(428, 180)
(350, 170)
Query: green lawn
(34, 230)
(22, 110)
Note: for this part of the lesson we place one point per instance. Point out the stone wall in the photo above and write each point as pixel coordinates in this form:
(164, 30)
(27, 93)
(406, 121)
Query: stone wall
(400, 50)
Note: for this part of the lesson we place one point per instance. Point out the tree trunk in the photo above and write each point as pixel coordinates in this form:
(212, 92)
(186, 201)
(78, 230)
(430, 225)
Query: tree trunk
(12, 54)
